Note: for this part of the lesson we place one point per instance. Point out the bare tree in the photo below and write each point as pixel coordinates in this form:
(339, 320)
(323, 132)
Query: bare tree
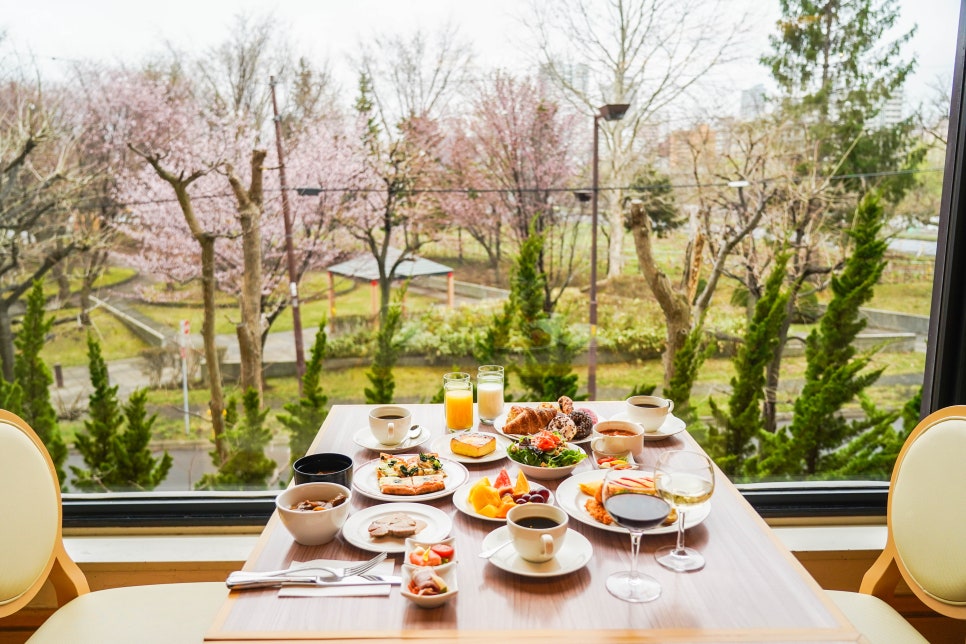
(647, 53)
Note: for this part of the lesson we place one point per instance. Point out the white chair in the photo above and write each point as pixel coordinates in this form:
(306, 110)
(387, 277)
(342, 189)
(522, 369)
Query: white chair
(926, 532)
(32, 551)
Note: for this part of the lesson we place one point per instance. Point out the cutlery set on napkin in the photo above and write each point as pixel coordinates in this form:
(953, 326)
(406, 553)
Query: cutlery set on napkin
(322, 577)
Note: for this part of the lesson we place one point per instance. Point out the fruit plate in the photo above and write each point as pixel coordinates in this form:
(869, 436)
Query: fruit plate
(356, 529)
(461, 499)
(365, 481)
(571, 500)
(441, 447)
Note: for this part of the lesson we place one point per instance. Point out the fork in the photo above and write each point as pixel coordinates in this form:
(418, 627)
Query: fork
(309, 580)
(327, 574)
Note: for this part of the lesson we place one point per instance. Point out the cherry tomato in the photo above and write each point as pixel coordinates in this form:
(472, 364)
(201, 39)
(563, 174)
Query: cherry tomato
(444, 551)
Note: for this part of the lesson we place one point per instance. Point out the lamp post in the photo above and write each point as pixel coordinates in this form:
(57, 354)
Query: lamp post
(611, 112)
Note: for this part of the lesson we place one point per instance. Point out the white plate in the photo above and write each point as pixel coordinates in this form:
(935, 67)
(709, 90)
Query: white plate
(364, 438)
(672, 425)
(461, 499)
(571, 500)
(500, 422)
(574, 555)
(365, 482)
(356, 528)
(441, 447)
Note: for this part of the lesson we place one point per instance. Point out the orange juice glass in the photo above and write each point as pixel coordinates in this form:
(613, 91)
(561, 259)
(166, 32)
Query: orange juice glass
(458, 400)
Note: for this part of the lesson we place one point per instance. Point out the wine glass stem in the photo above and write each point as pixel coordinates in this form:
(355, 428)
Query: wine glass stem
(679, 549)
(635, 547)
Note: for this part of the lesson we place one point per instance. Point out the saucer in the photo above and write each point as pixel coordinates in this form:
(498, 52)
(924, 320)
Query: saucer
(672, 425)
(574, 555)
(364, 438)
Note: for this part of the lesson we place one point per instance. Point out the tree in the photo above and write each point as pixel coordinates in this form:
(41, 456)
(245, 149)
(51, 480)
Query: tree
(835, 372)
(649, 54)
(98, 442)
(386, 348)
(247, 466)
(306, 415)
(33, 379)
(136, 468)
(738, 427)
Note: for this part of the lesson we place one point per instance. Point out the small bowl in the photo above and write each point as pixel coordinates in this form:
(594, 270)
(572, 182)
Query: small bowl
(313, 528)
(329, 467)
(448, 573)
(412, 544)
(548, 473)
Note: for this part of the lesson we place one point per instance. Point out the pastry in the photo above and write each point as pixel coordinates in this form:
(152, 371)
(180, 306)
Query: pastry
(411, 485)
(562, 424)
(529, 421)
(583, 422)
(566, 404)
(473, 444)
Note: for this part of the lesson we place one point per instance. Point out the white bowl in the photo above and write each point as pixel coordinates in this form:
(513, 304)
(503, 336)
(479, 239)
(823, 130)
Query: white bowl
(313, 528)
(548, 473)
(448, 573)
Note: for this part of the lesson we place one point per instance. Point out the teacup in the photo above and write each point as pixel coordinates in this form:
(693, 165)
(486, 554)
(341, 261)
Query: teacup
(538, 531)
(618, 437)
(390, 424)
(649, 412)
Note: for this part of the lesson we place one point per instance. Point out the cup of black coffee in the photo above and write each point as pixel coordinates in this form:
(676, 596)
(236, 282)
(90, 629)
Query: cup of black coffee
(538, 530)
(328, 466)
(649, 412)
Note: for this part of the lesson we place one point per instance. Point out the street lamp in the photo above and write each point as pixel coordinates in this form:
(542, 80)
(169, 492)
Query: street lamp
(612, 112)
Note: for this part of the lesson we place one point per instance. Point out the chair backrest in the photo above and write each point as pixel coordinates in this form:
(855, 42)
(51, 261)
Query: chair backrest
(927, 516)
(31, 544)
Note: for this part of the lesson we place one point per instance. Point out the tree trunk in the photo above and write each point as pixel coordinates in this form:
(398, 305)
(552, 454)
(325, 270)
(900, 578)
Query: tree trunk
(217, 403)
(6, 340)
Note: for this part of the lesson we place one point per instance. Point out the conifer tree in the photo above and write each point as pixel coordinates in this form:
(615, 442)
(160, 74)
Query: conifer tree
(687, 362)
(97, 443)
(306, 415)
(247, 466)
(388, 345)
(34, 379)
(136, 467)
(819, 437)
(737, 427)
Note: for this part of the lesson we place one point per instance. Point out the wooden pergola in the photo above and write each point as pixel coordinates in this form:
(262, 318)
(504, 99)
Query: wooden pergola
(364, 267)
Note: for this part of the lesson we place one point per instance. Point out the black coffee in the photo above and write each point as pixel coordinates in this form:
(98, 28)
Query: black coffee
(537, 523)
(647, 405)
(390, 417)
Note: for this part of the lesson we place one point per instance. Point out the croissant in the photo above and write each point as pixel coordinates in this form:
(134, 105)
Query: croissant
(529, 421)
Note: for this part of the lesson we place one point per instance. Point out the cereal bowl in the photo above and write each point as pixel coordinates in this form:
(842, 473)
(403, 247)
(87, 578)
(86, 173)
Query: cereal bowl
(313, 527)
(446, 573)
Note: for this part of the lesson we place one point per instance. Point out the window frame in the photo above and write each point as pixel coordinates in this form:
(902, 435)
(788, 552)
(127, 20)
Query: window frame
(944, 384)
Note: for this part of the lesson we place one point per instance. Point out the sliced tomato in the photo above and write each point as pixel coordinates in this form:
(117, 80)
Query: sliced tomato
(444, 551)
(545, 443)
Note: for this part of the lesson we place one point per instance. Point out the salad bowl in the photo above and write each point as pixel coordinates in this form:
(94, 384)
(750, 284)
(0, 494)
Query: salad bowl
(545, 455)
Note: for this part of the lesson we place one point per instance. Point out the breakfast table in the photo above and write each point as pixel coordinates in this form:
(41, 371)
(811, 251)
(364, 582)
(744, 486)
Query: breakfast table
(751, 589)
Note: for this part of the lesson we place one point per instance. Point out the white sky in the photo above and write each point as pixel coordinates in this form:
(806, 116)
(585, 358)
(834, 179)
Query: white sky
(60, 31)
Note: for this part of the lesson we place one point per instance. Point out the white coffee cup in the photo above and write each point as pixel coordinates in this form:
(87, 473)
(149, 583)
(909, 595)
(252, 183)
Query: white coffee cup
(538, 530)
(618, 437)
(649, 412)
(390, 424)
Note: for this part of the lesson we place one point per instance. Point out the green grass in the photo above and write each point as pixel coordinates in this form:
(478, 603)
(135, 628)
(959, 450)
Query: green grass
(67, 345)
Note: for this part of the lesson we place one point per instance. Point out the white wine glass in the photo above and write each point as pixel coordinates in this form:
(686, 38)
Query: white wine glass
(684, 479)
(630, 506)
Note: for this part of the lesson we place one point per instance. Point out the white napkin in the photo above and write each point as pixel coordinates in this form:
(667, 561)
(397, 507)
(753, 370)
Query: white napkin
(376, 590)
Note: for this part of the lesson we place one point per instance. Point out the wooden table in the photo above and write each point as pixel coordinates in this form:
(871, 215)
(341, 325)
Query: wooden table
(751, 590)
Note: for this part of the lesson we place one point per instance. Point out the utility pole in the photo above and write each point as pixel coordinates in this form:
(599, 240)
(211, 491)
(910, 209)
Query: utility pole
(289, 250)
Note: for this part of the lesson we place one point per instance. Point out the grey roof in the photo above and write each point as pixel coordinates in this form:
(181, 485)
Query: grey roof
(364, 267)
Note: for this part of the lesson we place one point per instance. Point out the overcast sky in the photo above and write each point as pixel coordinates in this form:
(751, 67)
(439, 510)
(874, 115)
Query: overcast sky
(60, 31)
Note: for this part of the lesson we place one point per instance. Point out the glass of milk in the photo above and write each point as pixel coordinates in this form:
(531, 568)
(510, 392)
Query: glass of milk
(489, 392)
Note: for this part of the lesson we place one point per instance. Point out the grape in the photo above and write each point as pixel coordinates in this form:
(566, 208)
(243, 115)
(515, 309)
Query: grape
(543, 493)
(520, 501)
(536, 498)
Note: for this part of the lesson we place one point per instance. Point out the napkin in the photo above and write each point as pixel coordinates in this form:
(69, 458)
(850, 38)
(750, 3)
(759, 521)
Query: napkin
(380, 590)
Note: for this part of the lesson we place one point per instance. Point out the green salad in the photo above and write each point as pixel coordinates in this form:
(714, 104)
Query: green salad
(544, 449)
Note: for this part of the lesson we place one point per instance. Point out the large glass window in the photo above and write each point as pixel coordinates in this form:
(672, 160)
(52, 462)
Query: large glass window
(772, 199)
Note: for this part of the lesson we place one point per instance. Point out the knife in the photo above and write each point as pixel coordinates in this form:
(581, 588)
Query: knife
(238, 582)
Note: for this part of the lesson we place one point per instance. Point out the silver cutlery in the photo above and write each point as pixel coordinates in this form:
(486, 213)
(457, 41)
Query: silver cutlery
(309, 580)
(321, 572)
(486, 554)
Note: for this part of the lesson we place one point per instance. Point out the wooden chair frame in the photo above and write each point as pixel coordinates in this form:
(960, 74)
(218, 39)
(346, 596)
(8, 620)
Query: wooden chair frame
(882, 577)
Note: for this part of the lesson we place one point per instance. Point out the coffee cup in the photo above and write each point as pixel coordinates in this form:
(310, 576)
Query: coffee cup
(390, 424)
(618, 437)
(329, 467)
(649, 412)
(537, 530)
